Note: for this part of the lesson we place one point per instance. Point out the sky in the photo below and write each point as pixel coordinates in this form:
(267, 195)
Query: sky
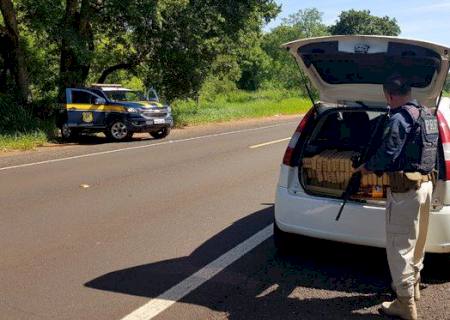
(427, 20)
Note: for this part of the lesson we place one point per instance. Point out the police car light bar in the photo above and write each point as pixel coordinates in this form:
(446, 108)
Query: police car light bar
(106, 85)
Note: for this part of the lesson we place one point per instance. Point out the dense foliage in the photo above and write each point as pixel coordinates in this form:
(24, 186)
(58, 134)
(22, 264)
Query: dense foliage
(170, 44)
(187, 49)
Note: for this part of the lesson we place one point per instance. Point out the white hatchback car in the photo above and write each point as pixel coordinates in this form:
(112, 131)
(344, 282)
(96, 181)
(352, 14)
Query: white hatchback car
(348, 72)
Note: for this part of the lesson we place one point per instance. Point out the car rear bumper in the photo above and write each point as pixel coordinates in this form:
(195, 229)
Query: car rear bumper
(360, 223)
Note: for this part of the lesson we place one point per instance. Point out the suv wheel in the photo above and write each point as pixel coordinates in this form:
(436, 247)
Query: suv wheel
(161, 133)
(118, 131)
(68, 133)
(283, 241)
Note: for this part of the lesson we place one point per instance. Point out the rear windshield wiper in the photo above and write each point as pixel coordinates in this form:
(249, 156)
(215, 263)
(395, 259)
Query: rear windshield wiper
(362, 104)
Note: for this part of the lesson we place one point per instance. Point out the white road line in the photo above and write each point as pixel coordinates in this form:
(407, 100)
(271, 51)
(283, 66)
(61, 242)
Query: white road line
(140, 147)
(159, 304)
(268, 143)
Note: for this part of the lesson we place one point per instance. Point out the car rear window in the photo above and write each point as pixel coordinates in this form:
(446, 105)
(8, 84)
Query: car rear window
(345, 128)
(334, 67)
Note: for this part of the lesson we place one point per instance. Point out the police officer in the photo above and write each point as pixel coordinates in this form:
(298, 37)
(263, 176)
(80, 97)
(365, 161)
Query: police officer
(408, 164)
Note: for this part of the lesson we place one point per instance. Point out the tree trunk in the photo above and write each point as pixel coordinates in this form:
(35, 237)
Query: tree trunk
(4, 59)
(17, 55)
(77, 46)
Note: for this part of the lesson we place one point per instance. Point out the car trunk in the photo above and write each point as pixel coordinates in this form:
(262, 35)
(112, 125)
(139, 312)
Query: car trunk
(349, 72)
(331, 150)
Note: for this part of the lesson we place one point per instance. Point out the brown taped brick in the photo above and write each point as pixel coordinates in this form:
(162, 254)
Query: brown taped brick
(364, 181)
(387, 179)
(379, 181)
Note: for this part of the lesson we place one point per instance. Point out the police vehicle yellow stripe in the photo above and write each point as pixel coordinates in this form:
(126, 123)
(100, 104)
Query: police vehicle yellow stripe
(94, 108)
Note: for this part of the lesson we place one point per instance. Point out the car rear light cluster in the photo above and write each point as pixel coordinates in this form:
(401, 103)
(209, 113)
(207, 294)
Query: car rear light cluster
(444, 133)
(288, 158)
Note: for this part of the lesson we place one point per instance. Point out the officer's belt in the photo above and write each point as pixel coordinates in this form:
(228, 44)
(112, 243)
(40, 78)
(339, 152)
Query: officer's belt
(405, 181)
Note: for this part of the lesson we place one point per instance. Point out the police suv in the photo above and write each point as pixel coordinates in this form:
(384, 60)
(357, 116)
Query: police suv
(117, 111)
(349, 72)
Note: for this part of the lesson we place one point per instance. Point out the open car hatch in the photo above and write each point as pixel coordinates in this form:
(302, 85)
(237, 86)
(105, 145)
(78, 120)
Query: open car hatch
(353, 68)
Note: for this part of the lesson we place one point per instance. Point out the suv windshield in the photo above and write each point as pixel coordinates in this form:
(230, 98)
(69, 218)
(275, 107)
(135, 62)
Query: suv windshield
(122, 95)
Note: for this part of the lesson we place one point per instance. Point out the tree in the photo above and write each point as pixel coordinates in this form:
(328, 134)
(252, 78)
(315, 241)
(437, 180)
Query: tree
(308, 22)
(171, 44)
(195, 35)
(283, 68)
(362, 22)
(14, 58)
(77, 44)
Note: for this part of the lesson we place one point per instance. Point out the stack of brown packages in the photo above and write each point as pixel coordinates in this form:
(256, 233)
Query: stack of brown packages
(333, 169)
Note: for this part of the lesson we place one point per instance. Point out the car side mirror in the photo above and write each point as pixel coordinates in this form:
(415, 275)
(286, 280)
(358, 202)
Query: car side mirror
(98, 101)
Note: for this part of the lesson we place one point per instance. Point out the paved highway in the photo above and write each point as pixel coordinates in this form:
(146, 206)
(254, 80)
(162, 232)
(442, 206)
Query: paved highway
(171, 229)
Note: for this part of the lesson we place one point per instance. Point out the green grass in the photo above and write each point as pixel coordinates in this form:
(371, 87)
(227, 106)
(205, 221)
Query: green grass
(446, 94)
(239, 105)
(22, 141)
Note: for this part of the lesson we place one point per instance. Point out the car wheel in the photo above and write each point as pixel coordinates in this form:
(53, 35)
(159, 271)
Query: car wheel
(283, 241)
(68, 133)
(161, 133)
(438, 263)
(118, 131)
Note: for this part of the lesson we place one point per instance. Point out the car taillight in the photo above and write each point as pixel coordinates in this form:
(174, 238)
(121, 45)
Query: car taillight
(289, 154)
(444, 133)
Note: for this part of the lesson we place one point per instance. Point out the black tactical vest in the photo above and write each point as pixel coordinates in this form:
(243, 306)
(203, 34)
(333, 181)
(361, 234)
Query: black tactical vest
(420, 151)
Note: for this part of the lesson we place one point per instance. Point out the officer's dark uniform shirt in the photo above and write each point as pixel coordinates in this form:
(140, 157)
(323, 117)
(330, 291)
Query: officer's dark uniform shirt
(395, 135)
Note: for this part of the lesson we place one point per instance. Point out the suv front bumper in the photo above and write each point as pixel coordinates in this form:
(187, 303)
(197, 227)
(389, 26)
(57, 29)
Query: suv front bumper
(141, 124)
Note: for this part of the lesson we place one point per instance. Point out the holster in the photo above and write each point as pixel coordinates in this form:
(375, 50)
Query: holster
(405, 181)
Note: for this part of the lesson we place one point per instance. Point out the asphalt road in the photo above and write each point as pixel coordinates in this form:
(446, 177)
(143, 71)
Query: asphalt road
(97, 230)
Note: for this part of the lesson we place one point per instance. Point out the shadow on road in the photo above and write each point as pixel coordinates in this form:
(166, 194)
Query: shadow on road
(321, 280)
(94, 139)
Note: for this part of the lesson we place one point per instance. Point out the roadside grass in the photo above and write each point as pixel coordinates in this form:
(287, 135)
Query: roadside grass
(239, 105)
(19, 128)
(22, 141)
(446, 94)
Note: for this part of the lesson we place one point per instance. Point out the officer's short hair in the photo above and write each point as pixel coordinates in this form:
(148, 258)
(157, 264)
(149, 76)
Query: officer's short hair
(397, 85)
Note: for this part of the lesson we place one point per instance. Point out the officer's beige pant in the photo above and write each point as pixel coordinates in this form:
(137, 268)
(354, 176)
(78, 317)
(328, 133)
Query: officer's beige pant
(407, 216)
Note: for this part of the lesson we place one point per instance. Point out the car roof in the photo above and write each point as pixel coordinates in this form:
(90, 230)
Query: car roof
(109, 87)
(114, 89)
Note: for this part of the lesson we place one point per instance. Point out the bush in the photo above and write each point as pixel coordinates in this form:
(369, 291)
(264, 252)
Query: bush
(239, 104)
(21, 129)
(213, 87)
(14, 118)
(182, 110)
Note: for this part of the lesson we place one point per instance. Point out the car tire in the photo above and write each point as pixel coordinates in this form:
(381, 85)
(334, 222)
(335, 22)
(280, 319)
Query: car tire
(161, 133)
(67, 133)
(438, 263)
(118, 131)
(283, 241)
